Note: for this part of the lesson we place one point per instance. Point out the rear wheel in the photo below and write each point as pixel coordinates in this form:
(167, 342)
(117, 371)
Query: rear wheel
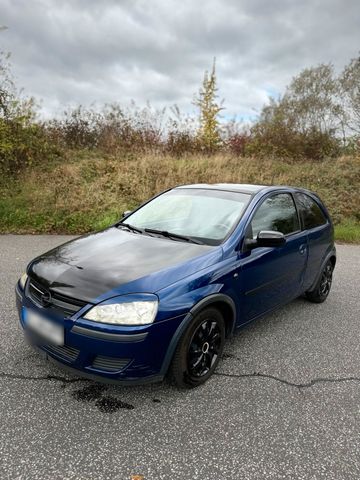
(199, 349)
(322, 289)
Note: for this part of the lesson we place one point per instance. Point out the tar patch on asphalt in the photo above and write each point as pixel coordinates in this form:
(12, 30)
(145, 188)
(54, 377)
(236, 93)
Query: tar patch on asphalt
(112, 404)
(94, 393)
(89, 393)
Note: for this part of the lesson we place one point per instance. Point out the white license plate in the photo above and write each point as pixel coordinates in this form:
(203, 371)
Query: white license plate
(44, 327)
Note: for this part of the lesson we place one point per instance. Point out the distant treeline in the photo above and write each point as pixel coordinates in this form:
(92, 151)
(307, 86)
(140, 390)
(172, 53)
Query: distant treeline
(317, 117)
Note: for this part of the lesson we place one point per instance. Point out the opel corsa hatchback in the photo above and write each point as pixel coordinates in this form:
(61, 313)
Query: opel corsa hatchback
(158, 292)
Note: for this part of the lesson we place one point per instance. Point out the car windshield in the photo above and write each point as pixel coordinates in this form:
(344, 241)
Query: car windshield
(207, 216)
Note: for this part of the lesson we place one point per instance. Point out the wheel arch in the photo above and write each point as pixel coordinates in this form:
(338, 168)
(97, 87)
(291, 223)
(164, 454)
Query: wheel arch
(226, 306)
(330, 256)
(333, 260)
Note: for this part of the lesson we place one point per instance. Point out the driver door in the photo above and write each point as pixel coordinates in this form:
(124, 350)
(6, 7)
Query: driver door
(272, 276)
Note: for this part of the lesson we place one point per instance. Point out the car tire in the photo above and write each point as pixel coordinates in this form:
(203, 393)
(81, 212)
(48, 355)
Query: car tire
(199, 349)
(321, 291)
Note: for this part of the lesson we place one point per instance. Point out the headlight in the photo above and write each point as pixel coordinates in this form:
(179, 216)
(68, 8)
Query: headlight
(22, 280)
(141, 312)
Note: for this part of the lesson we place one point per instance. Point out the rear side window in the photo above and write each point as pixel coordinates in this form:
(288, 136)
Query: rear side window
(276, 213)
(311, 214)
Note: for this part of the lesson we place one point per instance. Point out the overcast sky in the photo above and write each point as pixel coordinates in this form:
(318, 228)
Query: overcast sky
(68, 52)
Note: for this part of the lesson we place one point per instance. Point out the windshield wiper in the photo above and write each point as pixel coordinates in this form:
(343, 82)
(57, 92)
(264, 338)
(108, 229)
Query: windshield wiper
(167, 234)
(130, 227)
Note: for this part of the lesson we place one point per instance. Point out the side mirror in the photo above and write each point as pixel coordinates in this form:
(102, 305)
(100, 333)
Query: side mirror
(126, 213)
(270, 238)
(266, 238)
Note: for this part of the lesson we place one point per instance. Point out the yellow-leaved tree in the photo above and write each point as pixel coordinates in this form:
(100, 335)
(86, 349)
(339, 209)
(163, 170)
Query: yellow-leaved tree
(209, 129)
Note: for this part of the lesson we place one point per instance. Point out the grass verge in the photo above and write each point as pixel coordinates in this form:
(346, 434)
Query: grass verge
(88, 191)
(348, 232)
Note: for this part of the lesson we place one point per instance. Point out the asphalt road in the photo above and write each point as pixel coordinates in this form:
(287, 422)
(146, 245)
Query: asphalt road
(284, 404)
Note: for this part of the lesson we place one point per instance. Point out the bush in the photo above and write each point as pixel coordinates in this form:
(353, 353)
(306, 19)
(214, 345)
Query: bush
(179, 143)
(277, 133)
(237, 143)
(23, 142)
(77, 129)
(111, 129)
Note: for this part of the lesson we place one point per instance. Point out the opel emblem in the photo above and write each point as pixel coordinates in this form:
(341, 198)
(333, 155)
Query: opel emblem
(45, 299)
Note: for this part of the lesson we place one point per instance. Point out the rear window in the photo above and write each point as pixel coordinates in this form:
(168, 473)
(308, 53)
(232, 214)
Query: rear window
(311, 214)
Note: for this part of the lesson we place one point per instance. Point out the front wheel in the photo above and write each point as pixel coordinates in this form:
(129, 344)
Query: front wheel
(199, 349)
(322, 289)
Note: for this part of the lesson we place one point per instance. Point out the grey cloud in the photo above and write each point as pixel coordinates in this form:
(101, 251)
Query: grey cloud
(85, 51)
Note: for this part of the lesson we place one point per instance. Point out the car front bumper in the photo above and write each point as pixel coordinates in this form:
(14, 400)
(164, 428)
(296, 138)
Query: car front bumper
(112, 355)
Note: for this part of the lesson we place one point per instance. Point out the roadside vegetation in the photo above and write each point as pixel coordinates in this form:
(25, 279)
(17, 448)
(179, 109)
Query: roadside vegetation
(81, 171)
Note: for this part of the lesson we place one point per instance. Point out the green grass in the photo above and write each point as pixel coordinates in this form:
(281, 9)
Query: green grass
(348, 232)
(15, 217)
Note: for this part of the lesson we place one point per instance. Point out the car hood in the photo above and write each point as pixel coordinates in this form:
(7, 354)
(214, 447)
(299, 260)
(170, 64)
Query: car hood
(115, 261)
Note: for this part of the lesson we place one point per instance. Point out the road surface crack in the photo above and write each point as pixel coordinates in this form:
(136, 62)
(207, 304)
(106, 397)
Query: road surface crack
(300, 386)
(55, 378)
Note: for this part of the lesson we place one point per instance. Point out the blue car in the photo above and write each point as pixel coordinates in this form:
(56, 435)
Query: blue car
(159, 292)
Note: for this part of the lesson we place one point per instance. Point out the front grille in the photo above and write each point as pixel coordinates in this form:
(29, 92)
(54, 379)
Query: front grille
(64, 351)
(66, 306)
(110, 364)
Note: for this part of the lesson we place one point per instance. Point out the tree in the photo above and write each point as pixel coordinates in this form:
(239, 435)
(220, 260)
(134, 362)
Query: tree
(23, 141)
(209, 130)
(350, 89)
(307, 120)
(311, 100)
(7, 95)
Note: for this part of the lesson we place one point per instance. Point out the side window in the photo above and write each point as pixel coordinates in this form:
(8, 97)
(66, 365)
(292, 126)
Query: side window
(276, 213)
(310, 211)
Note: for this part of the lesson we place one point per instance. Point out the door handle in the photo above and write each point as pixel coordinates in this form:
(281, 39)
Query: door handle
(302, 249)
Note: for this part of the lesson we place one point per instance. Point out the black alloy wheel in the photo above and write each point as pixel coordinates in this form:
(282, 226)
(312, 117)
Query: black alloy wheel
(199, 350)
(322, 289)
(204, 348)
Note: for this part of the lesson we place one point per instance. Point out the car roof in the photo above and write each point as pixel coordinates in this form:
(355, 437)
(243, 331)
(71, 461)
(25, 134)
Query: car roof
(230, 187)
(247, 188)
